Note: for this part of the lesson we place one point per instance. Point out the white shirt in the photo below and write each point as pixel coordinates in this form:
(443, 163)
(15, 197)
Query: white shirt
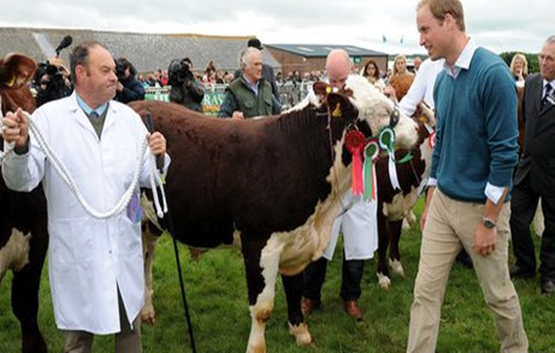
(422, 89)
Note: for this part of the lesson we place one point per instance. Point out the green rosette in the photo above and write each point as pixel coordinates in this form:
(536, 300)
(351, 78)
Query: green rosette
(386, 140)
(371, 154)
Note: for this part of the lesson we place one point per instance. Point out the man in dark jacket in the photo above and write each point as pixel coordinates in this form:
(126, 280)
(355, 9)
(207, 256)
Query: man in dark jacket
(128, 89)
(267, 71)
(250, 95)
(535, 175)
(185, 89)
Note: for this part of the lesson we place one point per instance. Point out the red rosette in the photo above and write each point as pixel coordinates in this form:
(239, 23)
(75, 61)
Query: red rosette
(354, 141)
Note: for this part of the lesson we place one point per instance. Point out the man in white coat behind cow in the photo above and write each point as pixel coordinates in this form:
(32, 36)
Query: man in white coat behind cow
(95, 264)
(358, 225)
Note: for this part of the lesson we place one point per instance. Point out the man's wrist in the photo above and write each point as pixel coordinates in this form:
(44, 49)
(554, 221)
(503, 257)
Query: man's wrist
(23, 149)
(488, 222)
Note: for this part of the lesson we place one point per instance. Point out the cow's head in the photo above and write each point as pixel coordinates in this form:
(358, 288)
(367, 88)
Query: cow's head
(373, 111)
(376, 112)
(16, 70)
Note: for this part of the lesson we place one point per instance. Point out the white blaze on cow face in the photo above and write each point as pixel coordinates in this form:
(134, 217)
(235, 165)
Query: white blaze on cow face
(15, 254)
(375, 109)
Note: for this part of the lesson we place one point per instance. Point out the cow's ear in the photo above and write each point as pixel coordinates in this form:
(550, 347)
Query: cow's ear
(16, 70)
(341, 107)
(321, 89)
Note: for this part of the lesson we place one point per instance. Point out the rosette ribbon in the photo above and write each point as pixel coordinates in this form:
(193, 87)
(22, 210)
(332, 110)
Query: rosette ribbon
(354, 142)
(386, 140)
(371, 155)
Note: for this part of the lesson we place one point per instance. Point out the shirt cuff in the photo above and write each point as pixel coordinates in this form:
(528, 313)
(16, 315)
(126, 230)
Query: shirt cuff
(494, 193)
(432, 181)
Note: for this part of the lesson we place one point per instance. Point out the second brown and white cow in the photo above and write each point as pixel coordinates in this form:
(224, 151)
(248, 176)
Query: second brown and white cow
(395, 205)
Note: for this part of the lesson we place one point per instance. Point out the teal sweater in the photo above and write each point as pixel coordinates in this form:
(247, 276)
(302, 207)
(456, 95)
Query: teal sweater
(476, 128)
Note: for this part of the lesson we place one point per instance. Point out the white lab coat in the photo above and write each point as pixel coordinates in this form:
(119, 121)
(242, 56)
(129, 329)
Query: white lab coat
(89, 258)
(359, 226)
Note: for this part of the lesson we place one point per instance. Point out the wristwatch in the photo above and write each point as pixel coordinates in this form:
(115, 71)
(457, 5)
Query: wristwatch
(488, 222)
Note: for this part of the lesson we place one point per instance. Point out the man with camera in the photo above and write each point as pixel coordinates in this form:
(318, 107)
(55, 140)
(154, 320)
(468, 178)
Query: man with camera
(53, 81)
(185, 89)
(128, 88)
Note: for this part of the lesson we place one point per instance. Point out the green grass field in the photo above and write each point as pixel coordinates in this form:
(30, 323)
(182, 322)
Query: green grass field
(217, 297)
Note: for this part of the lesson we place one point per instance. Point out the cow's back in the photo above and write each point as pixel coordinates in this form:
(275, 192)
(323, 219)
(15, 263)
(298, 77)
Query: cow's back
(246, 175)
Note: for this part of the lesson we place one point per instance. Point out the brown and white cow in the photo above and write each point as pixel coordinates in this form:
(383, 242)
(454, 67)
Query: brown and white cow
(394, 205)
(277, 182)
(23, 233)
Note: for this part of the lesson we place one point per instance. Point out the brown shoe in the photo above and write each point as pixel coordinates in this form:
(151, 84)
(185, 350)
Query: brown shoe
(308, 305)
(352, 308)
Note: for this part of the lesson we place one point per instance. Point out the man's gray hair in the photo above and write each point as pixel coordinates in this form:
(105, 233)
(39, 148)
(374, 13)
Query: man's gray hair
(550, 40)
(245, 57)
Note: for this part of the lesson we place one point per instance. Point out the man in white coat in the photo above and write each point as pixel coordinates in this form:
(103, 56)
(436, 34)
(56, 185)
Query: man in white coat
(95, 264)
(358, 224)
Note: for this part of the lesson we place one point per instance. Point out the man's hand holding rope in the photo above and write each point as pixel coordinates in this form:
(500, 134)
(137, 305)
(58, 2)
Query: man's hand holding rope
(15, 128)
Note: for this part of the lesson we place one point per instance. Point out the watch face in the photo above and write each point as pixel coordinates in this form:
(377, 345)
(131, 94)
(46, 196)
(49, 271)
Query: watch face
(489, 224)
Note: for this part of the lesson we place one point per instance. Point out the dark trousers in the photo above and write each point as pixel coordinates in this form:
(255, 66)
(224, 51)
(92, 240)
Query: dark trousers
(315, 274)
(523, 207)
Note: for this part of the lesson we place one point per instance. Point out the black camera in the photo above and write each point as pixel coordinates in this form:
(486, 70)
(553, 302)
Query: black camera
(51, 84)
(120, 70)
(179, 72)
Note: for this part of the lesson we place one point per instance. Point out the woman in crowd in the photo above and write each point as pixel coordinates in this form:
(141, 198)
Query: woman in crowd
(519, 68)
(372, 72)
(401, 79)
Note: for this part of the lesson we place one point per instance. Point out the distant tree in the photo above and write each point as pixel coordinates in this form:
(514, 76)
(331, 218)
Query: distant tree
(533, 64)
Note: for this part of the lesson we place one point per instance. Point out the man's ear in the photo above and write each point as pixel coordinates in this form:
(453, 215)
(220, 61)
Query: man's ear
(80, 71)
(16, 70)
(341, 107)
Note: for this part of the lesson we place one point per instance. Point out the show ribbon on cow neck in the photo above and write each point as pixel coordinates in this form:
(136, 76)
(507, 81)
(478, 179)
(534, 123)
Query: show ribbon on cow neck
(371, 155)
(123, 202)
(354, 141)
(386, 140)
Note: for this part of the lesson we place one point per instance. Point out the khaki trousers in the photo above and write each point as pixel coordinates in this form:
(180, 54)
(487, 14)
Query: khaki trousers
(128, 340)
(451, 223)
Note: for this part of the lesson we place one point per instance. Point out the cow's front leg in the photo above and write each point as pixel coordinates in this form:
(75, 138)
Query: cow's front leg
(25, 294)
(261, 265)
(383, 243)
(293, 286)
(395, 229)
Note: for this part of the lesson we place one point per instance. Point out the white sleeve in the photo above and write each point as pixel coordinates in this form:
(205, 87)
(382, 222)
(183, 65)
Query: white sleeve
(25, 172)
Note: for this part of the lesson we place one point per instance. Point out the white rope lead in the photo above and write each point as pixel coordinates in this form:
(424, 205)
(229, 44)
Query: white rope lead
(123, 202)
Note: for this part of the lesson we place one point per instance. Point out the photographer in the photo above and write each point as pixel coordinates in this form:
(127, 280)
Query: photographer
(128, 89)
(185, 89)
(52, 79)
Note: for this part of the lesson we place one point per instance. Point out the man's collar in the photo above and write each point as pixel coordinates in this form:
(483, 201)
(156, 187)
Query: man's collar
(100, 110)
(464, 59)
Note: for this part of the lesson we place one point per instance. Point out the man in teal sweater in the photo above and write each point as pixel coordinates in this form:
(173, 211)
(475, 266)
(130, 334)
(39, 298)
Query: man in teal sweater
(472, 163)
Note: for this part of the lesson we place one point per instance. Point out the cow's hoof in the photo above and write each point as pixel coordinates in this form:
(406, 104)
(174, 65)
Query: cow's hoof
(301, 334)
(397, 267)
(406, 225)
(148, 316)
(384, 281)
